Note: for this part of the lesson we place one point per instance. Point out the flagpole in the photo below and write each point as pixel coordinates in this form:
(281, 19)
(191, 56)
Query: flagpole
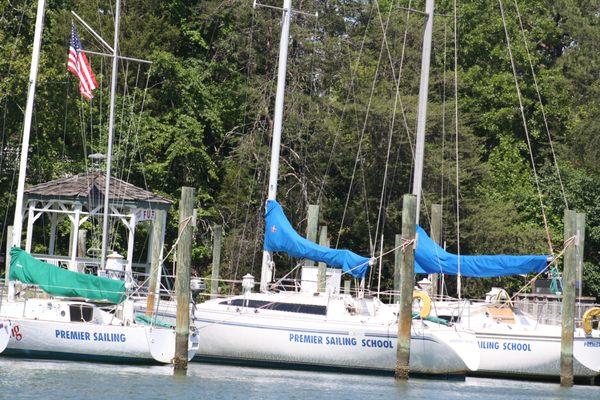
(35, 58)
(111, 126)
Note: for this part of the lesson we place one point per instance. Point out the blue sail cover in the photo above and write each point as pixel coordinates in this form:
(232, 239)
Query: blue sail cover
(430, 258)
(281, 236)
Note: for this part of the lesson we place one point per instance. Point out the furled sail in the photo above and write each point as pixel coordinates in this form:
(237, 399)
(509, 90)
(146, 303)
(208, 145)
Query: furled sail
(281, 236)
(61, 282)
(430, 258)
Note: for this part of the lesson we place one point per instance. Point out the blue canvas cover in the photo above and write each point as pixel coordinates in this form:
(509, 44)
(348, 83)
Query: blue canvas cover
(430, 258)
(281, 236)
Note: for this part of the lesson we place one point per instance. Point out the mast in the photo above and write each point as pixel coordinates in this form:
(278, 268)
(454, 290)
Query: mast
(35, 58)
(267, 263)
(422, 110)
(111, 127)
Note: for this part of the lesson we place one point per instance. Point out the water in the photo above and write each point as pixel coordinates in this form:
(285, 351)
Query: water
(41, 380)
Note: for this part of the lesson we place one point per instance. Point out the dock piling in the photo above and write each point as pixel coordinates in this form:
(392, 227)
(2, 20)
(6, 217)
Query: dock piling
(568, 296)
(397, 266)
(216, 260)
(322, 274)
(436, 236)
(312, 227)
(182, 278)
(407, 277)
(156, 240)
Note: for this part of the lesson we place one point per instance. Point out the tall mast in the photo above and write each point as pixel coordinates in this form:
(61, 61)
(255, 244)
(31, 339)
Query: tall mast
(422, 110)
(267, 270)
(111, 127)
(35, 58)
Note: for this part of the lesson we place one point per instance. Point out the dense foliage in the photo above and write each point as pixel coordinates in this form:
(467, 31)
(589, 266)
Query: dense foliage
(201, 116)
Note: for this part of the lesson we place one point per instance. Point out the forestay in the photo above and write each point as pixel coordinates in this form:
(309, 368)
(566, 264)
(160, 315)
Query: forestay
(281, 236)
(61, 282)
(430, 258)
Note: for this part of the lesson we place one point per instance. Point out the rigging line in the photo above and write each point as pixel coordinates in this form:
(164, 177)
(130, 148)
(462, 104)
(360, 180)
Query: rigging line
(10, 66)
(371, 242)
(537, 183)
(542, 108)
(66, 111)
(391, 132)
(458, 275)
(353, 73)
(131, 125)
(360, 142)
(443, 119)
(389, 54)
(243, 243)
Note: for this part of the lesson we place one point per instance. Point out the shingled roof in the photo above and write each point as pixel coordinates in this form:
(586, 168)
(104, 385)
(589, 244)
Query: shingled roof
(89, 187)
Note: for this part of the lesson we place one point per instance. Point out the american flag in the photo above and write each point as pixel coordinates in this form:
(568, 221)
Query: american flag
(78, 64)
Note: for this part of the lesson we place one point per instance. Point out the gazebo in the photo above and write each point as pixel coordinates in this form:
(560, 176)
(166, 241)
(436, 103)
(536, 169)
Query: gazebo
(80, 198)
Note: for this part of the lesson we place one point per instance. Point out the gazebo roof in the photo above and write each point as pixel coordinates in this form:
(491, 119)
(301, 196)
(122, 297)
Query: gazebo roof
(89, 187)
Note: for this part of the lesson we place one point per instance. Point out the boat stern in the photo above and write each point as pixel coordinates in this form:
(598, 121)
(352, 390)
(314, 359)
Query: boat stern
(460, 349)
(5, 331)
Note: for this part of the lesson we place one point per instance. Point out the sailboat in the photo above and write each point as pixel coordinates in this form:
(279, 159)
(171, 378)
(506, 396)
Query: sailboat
(511, 341)
(79, 316)
(323, 329)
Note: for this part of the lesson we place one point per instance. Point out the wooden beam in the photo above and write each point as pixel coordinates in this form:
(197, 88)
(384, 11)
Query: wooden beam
(322, 274)
(311, 227)
(436, 235)
(157, 241)
(568, 300)
(216, 260)
(407, 277)
(397, 266)
(182, 279)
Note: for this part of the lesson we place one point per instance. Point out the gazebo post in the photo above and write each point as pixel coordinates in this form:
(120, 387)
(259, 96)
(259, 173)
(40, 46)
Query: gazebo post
(149, 247)
(74, 237)
(129, 266)
(28, 238)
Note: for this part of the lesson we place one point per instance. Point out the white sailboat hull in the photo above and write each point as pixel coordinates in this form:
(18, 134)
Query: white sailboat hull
(243, 335)
(5, 331)
(91, 342)
(535, 355)
(72, 330)
(331, 345)
(521, 346)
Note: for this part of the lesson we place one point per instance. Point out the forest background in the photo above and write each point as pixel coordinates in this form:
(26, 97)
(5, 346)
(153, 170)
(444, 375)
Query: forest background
(201, 116)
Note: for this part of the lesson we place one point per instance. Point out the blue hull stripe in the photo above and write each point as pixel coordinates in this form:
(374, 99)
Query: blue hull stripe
(57, 355)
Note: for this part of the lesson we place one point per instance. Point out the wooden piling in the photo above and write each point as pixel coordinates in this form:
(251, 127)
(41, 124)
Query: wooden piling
(407, 277)
(182, 279)
(312, 227)
(216, 260)
(397, 265)
(579, 277)
(157, 237)
(568, 300)
(436, 235)
(322, 274)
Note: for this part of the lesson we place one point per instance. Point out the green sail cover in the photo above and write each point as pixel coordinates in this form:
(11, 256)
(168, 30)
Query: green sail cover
(61, 282)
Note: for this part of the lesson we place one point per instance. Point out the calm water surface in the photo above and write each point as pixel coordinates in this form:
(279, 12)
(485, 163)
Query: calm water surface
(40, 380)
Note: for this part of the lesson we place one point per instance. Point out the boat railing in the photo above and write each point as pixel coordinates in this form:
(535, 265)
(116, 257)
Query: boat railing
(547, 309)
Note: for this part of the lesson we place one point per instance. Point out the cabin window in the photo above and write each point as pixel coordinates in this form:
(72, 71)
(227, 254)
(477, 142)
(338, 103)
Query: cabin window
(81, 312)
(313, 309)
